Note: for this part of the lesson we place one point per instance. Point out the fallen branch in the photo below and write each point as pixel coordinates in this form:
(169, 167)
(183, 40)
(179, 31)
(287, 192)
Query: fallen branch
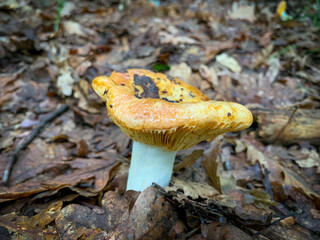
(34, 133)
(287, 125)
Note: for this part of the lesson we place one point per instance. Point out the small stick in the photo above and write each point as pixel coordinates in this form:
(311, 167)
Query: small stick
(34, 133)
(294, 214)
(289, 120)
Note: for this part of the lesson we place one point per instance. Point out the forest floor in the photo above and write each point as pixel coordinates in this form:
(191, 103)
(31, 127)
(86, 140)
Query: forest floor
(65, 164)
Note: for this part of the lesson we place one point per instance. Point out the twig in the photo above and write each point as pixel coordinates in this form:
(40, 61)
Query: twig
(214, 212)
(34, 133)
(288, 122)
(294, 214)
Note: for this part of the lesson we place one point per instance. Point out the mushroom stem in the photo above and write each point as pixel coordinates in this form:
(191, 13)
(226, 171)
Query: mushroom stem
(149, 164)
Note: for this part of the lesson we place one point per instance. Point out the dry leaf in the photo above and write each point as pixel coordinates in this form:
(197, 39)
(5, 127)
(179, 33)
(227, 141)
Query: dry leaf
(242, 12)
(35, 227)
(72, 27)
(182, 71)
(115, 209)
(151, 217)
(273, 70)
(188, 160)
(211, 165)
(209, 74)
(312, 160)
(193, 190)
(168, 38)
(229, 62)
(65, 81)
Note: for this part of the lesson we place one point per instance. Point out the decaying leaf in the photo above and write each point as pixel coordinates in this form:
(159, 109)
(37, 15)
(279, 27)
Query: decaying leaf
(211, 165)
(96, 170)
(209, 74)
(182, 71)
(193, 190)
(168, 38)
(312, 160)
(229, 62)
(35, 227)
(143, 216)
(188, 160)
(151, 217)
(242, 12)
(65, 81)
(274, 68)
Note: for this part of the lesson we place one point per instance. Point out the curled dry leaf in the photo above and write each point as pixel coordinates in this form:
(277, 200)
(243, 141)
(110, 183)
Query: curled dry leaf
(211, 165)
(193, 190)
(312, 160)
(189, 160)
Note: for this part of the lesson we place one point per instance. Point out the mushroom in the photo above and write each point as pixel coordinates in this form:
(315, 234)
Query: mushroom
(163, 115)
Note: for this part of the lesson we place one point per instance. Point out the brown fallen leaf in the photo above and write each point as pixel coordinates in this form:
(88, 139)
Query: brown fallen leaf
(114, 209)
(212, 48)
(193, 190)
(278, 173)
(169, 38)
(21, 190)
(188, 160)
(82, 148)
(35, 227)
(151, 217)
(211, 165)
(89, 169)
(142, 216)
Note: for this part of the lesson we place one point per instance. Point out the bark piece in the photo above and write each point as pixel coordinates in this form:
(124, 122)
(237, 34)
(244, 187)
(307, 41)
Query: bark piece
(287, 126)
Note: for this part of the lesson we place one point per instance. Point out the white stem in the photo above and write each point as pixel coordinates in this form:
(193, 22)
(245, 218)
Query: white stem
(149, 164)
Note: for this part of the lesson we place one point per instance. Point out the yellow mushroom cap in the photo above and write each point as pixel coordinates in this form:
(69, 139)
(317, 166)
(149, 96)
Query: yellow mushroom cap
(166, 112)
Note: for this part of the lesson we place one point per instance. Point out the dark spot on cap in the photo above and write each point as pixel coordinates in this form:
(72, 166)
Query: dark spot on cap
(122, 84)
(150, 89)
(191, 94)
(105, 92)
(164, 92)
(229, 114)
(180, 99)
(182, 89)
(110, 106)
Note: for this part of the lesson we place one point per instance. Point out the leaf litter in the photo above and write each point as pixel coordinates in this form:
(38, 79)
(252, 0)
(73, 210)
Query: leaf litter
(68, 181)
